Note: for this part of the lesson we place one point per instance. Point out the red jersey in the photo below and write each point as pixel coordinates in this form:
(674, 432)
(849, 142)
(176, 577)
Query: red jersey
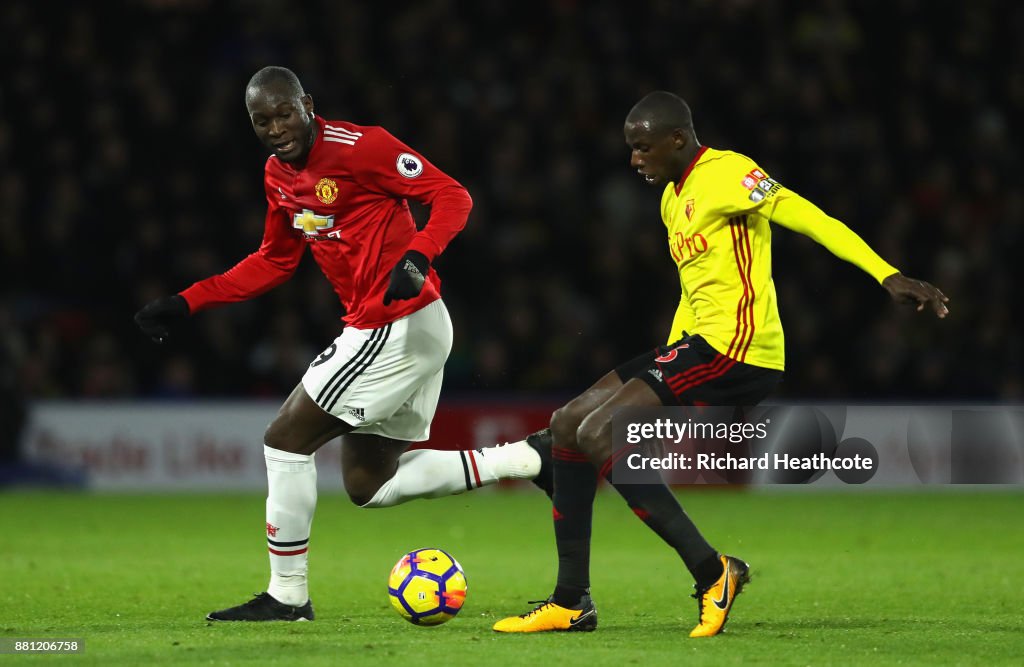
(348, 205)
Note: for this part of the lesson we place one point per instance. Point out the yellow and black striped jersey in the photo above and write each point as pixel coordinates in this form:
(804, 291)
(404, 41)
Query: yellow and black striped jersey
(717, 217)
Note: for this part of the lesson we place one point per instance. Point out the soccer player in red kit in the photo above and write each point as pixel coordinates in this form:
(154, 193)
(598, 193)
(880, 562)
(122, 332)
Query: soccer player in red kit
(340, 189)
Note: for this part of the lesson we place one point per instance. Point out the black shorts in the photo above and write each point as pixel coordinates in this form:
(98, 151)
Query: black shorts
(691, 372)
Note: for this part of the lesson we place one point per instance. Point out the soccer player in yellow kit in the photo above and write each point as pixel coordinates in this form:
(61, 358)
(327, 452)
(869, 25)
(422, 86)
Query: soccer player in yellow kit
(725, 348)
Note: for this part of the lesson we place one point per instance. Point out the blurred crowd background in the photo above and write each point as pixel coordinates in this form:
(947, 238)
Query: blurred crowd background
(130, 171)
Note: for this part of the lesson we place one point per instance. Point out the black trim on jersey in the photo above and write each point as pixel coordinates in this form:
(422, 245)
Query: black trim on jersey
(356, 372)
(465, 470)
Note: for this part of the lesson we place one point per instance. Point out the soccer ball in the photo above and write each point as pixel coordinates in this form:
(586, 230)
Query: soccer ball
(427, 587)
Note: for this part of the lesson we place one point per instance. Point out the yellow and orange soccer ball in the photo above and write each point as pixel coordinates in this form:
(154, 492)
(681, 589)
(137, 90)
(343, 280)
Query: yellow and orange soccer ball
(427, 587)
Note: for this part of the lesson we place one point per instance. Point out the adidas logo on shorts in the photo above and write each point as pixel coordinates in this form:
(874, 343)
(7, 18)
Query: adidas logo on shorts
(358, 413)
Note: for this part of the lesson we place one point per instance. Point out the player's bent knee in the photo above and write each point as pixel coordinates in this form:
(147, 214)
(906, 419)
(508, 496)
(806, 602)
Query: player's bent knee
(362, 499)
(286, 434)
(301, 428)
(362, 495)
(362, 489)
(593, 438)
(564, 423)
(276, 435)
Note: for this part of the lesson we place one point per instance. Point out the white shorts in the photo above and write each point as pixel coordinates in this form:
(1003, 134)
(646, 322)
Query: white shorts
(385, 381)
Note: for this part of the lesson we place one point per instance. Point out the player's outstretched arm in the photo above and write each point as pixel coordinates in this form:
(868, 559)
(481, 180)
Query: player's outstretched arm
(796, 213)
(909, 290)
(800, 215)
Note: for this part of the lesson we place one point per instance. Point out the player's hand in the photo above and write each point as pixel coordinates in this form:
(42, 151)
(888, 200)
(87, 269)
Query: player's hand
(909, 290)
(157, 317)
(407, 277)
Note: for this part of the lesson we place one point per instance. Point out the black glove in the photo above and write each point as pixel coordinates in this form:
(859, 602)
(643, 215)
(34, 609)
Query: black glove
(156, 317)
(407, 277)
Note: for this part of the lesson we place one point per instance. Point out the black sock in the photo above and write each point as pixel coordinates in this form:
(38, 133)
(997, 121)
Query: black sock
(656, 505)
(541, 442)
(569, 596)
(575, 482)
(708, 571)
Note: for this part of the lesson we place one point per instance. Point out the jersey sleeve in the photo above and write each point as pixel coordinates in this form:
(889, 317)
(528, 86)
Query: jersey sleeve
(743, 188)
(272, 264)
(389, 166)
(796, 213)
(739, 186)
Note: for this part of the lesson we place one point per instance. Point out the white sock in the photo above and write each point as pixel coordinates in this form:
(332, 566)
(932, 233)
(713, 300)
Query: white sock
(432, 473)
(291, 500)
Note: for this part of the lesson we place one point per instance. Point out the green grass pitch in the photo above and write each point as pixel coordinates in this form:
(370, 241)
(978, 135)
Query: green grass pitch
(861, 577)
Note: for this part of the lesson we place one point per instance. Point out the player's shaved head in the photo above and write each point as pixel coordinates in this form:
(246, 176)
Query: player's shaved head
(659, 133)
(661, 112)
(279, 78)
(281, 113)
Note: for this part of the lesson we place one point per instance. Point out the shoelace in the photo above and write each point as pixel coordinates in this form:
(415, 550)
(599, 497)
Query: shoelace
(541, 603)
(698, 595)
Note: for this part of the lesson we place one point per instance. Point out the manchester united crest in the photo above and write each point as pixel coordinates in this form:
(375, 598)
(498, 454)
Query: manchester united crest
(326, 190)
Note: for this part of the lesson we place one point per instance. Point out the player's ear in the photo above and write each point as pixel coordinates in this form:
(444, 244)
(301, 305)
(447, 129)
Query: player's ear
(307, 103)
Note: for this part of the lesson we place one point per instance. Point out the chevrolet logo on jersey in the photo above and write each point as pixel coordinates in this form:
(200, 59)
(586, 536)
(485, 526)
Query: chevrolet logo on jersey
(310, 223)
